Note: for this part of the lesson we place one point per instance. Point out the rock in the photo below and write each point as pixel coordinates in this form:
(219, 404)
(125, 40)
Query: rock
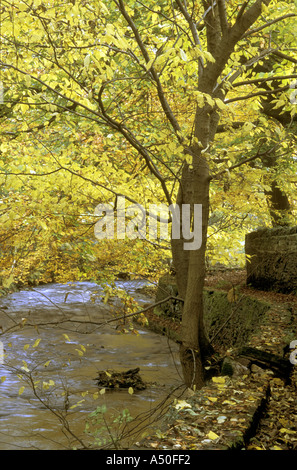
(233, 368)
(123, 275)
(258, 370)
(188, 393)
(172, 308)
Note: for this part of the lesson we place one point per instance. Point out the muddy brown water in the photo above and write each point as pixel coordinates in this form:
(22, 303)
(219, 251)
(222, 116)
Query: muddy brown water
(63, 365)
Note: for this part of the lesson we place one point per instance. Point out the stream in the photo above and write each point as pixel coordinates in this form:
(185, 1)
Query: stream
(57, 352)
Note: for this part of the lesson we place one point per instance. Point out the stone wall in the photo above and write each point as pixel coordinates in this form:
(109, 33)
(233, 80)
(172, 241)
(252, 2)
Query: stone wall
(273, 259)
(230, 323)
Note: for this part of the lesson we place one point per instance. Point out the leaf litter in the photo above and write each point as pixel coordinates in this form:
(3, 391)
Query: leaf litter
(257, 411)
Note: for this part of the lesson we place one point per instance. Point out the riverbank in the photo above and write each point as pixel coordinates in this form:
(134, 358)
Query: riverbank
(256, 408)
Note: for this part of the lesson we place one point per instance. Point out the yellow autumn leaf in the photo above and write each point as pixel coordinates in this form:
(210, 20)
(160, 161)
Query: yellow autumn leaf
(3, 378)
(66, 337)
(36, 343)
(181, 404)
(213, 399)
(23, 322)
(46, 364)
(130, 391)
(251, 398)
(228, 402)
(277, 381)
(21, 390)
(25, 366)
(27, 346)
(220, 104)
(287, 431)
(212, 435)
(105, 300)
(232, 296)
(80, 353)
(47, 385)
(219, 380)
(8, 281)
(77, 404)
(102, 391)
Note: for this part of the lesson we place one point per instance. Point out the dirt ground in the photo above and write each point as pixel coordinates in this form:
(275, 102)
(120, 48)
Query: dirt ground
(225, 279)
(257, 411)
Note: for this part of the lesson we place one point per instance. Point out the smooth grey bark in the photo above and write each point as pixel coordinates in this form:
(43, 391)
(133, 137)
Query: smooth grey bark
(194, 187)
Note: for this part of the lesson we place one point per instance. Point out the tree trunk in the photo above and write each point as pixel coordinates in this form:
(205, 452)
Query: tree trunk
(190, 272)
(194, 184)
(279, 205)
(277, 200)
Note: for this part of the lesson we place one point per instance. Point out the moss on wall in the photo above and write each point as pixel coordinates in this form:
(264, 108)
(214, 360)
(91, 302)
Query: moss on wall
(272, 259)
(231, 323)
(230, 320)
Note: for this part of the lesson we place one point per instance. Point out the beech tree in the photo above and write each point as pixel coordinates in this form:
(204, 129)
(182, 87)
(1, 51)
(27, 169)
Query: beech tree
(151, 80)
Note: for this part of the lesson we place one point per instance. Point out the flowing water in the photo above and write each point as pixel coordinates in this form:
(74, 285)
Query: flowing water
(56, 339)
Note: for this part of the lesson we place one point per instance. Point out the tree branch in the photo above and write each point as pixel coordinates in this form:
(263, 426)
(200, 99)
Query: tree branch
(259, 93)
(111, 123)
(163, 101)
(225, 127)
(137, 145)
(266, 25)
(193, 29)
(30, 174)
(227, 44)
(247, 160)
(91, 322)
(285, 56)
(243, 68)
(264, 80)
(223, 17)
